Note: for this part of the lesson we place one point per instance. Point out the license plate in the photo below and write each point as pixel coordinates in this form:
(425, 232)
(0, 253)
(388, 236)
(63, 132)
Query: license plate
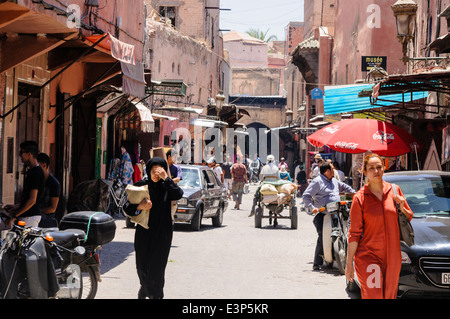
(445, 278)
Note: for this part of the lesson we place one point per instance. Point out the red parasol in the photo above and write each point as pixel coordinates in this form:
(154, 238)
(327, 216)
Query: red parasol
(362, 135)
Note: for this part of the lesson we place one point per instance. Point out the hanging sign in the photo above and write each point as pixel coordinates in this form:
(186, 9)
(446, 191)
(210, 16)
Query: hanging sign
(368, 62)
(316, 94)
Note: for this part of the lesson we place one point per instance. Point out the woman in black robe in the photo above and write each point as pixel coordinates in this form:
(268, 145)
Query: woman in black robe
(152, 245)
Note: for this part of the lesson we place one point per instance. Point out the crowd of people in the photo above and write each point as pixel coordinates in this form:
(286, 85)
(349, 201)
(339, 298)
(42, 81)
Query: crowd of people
(374, 233)
(373, 238)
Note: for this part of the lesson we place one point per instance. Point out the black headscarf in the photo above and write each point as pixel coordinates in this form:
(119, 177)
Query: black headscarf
(156, 190)
(152, 162)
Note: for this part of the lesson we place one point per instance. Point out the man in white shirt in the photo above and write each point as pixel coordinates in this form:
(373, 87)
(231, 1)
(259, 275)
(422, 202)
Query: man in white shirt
(216, 169)
(270, 171)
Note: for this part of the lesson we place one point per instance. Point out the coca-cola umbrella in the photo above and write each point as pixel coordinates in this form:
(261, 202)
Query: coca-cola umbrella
(363, 135)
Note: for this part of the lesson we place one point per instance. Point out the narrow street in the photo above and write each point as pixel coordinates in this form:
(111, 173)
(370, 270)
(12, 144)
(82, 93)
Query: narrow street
(235, 261)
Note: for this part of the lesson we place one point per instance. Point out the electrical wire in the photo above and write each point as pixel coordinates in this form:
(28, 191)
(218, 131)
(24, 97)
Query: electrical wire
(266, 7)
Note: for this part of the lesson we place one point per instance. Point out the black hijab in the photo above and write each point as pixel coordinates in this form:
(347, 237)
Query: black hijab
(152, 162)
(156, 190)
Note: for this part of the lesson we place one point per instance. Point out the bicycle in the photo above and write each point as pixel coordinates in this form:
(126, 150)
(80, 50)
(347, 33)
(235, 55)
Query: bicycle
(117, 197)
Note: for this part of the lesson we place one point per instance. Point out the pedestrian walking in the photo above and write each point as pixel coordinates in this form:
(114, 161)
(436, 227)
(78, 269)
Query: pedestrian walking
(284, 175)
(282, 162)
(126, 167)
(226, 167)
(300, 178)
(376, 255)
(321, 191)
(152, 245)
(239, 178)
(33, 187)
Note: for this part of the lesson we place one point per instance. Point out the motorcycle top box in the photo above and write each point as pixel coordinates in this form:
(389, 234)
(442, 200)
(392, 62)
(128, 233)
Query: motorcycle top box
(99, 227)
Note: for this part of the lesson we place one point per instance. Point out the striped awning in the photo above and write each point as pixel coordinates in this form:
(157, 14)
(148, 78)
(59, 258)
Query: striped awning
(139, 119)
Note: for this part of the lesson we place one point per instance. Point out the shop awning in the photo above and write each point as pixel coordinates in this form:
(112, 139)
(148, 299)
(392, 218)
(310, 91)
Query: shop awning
(133, 79)
(164, 117)
(347, 98)
(441, 44)
(208, 123)
(434, 80)
(139, 119)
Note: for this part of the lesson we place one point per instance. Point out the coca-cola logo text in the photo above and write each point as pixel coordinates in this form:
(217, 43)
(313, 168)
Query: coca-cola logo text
(331, 129)
(383, 137)
(346, 145)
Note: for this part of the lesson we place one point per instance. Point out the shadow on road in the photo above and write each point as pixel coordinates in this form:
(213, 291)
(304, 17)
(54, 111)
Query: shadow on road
(114, 253)
(185, 227)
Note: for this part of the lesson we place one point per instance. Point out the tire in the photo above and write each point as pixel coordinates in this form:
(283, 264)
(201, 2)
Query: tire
(89, 283)
(340, 254)
(196, 221)
(218, 219)
(258, 217)
(294, 217)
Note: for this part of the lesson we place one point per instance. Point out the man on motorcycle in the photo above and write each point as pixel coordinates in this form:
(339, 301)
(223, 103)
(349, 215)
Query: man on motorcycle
(321, 191)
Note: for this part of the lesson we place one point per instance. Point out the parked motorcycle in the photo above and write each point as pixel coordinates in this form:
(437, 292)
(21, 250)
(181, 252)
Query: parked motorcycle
(335, 232)
(41, 263)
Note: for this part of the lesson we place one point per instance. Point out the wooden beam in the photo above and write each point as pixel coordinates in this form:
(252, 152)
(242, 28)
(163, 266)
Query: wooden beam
(62, 56)
(7, 17)
(26, 47)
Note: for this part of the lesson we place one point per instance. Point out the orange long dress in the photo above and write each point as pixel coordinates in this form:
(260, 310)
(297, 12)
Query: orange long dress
(374, 225)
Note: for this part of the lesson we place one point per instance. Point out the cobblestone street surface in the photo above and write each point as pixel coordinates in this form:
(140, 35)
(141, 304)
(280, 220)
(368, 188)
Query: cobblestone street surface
(235, 261)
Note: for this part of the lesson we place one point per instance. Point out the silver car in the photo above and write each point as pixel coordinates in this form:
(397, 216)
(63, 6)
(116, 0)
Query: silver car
(204, 197)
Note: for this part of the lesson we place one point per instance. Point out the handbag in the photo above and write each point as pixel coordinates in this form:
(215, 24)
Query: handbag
(246, 188)
(405, 227)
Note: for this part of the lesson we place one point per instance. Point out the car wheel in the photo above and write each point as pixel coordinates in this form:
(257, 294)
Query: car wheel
(218, 219)
(196, 221)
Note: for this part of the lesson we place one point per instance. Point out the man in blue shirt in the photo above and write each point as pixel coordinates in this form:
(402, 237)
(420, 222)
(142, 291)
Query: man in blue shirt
(322, 190)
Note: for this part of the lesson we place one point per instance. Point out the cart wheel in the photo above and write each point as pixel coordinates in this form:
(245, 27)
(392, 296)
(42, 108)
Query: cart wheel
(258, 217)
(294, 217)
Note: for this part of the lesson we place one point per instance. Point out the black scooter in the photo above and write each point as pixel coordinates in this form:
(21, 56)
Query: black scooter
(39, 263)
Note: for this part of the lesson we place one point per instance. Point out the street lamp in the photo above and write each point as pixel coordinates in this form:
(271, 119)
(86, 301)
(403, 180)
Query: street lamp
(405, 15)
(289, 116)
(220, 99)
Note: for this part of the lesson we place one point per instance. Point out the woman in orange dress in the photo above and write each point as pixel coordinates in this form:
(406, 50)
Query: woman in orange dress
(374, 238)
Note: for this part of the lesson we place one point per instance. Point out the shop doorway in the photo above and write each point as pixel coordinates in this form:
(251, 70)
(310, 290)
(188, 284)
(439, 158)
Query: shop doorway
(84, 141)
(28, 120)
